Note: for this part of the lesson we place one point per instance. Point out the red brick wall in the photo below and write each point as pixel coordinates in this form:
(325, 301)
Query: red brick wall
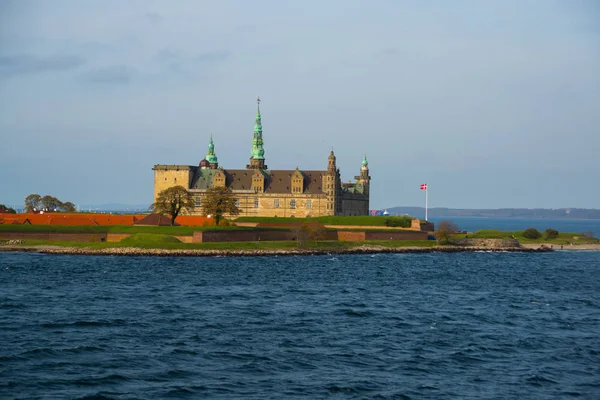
(396, 235)
(243, 236)
(351, 236)
(71, 237)
(428, 227)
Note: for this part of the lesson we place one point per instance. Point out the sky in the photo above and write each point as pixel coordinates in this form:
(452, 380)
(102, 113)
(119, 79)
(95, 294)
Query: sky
(494, 104)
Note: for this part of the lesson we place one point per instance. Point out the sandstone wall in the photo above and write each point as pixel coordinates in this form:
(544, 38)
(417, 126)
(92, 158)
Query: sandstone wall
(172, 175)
(267, 205)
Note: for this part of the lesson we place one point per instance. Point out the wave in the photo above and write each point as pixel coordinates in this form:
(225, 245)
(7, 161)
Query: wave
(116, 322)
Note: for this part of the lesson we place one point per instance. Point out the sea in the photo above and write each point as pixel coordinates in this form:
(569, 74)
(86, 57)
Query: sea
(385, 326)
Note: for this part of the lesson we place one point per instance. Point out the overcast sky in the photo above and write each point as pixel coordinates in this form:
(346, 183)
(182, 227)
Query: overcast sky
(493, 104)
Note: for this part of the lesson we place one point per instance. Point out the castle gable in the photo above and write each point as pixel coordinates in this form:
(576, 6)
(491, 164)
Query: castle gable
(276, 181)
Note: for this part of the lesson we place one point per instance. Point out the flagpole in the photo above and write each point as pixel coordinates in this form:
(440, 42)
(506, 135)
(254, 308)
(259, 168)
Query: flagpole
(426, 194)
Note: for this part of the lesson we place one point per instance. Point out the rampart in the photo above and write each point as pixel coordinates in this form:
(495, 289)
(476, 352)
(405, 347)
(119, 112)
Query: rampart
(68, 237)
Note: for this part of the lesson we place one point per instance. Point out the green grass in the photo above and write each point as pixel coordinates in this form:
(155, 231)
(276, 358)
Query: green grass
(148, 238)
(563, 237)
(401, 221)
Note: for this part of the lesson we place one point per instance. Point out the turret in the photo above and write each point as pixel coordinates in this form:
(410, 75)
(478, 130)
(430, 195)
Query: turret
(211, 157)
(257, 155)
(364, 179)
(331, 162)
(364, 169)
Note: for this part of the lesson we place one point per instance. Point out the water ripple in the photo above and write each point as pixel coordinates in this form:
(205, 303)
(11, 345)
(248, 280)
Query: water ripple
(464, 326)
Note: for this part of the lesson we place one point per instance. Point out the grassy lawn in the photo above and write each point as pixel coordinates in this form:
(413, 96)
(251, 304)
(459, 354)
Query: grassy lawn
(563, 237)
(160, 241)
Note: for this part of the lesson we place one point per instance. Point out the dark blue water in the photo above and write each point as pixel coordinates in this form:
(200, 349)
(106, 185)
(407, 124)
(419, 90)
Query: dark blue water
(472, 224)
(429, 326)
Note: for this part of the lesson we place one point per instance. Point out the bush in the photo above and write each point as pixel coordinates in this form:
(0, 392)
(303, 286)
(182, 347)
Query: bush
(402, 222)
(532, 233)
(551, 233)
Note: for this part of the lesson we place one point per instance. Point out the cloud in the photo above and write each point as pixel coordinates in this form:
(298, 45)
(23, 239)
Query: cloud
(32, 64)
(154, 18)
(214, 56)
(112, 74)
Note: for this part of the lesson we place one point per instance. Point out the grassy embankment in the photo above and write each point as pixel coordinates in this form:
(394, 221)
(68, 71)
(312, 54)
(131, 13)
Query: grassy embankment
(159, 241)
(563, 237)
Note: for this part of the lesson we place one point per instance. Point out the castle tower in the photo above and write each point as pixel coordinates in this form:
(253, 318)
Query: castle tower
(331, 185)
(257, 157)
(211, 157)
(331, 162)
(364, 177)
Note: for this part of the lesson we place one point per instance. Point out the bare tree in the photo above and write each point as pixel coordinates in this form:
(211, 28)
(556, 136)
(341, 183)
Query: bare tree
(445, 230)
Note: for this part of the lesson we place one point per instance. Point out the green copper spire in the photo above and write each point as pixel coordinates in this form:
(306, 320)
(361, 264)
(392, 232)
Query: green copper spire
(210, 155)
(258, 153)
(364, 161)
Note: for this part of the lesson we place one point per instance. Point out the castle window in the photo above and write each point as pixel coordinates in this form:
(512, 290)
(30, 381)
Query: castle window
(309, 204)
(237, 202)
(255, 203)
(198, 201)
(276, 203)
(293, 204)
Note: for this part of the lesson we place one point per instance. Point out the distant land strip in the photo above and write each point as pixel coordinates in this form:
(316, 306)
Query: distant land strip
(547, 213)
(134, 251)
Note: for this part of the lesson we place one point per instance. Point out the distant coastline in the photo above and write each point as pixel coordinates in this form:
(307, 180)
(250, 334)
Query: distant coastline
(512, 213)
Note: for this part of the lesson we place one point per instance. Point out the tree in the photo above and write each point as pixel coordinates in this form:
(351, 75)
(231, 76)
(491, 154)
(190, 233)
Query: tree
(219, 201)
(445, 230)
(5, 209)
(551, 233)
(68, 207)
(50, 203)
(308, 230)
(33, 202)
(313, 230)
(532, 233)
(173, 201)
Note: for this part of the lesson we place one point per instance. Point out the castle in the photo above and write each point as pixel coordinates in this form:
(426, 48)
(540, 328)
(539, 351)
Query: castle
(267, 192)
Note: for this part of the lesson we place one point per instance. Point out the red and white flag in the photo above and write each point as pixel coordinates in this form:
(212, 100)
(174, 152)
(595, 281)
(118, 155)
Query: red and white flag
(423, 186)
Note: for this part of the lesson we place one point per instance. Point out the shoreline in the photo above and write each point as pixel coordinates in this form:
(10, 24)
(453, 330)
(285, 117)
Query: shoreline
(365, 249)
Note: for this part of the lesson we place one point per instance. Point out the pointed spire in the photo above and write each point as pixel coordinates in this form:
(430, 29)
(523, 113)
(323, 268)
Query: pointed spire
(257, 142)
(210, 154)
(364, 161)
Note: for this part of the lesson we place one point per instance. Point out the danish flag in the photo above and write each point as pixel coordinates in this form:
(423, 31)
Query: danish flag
(423, 186)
